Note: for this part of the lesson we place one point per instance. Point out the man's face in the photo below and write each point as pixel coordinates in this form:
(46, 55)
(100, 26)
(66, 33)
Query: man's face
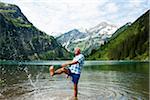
(77, 51)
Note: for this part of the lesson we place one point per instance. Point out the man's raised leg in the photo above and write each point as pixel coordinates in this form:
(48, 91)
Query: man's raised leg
(58, 71)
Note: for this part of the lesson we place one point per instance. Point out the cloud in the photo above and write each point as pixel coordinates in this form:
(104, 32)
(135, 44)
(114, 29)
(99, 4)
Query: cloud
(136, 3)
(111, 7)
(59, 16)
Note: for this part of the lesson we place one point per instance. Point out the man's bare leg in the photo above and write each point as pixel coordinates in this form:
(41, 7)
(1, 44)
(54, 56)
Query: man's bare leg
(75, 90)
(58, 71)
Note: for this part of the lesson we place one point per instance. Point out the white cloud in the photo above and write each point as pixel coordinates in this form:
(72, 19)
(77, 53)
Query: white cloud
(137, 3)
(60, 16)
(111, 7)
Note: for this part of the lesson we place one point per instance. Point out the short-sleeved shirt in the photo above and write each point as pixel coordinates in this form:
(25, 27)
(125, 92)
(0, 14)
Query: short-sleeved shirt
(76, 68)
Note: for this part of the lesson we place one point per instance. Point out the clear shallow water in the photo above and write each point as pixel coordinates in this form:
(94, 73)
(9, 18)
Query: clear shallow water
(100, 80)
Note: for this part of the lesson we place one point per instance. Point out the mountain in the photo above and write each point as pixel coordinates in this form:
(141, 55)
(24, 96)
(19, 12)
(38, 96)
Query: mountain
(131, 43)
(90, 39)
(67, 38)
(103, 29)
(20, 40)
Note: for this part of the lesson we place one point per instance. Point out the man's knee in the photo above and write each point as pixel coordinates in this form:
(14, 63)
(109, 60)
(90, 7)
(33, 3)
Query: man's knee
(63, 69)
(51, 67)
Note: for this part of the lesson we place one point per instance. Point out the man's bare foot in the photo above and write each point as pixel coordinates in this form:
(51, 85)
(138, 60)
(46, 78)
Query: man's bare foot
(51, 69)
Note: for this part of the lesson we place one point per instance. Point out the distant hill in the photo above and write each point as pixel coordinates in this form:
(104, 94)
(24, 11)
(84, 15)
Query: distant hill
(90, 39)
(131, 43)
(20, 40)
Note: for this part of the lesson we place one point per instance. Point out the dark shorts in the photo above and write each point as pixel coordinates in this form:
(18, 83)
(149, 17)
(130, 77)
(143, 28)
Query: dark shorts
(75, 77)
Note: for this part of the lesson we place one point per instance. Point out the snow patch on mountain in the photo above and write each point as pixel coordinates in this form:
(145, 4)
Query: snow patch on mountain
(92, 38)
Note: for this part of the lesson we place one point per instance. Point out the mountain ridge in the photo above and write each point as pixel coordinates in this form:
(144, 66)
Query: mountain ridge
(20, 40)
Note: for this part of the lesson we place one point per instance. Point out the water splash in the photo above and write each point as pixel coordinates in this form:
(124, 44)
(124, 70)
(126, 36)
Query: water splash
(2, 96)
(34, 83)
(29, 78)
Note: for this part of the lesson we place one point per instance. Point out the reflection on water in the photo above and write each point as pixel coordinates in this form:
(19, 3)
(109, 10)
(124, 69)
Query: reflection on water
(121, 81)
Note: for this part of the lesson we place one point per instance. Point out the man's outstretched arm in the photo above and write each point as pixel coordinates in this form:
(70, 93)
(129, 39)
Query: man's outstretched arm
(69, 63)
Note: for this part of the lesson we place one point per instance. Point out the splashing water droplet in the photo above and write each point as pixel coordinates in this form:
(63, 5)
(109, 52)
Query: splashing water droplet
(29, 77)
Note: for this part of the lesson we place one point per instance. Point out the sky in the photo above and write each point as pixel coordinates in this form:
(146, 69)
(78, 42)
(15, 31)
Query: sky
(59, 16)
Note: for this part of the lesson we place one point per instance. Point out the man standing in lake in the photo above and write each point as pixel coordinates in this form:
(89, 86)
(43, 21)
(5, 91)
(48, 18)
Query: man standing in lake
(74, 69)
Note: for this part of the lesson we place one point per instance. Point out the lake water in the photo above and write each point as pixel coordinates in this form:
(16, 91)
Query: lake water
(100, 80)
